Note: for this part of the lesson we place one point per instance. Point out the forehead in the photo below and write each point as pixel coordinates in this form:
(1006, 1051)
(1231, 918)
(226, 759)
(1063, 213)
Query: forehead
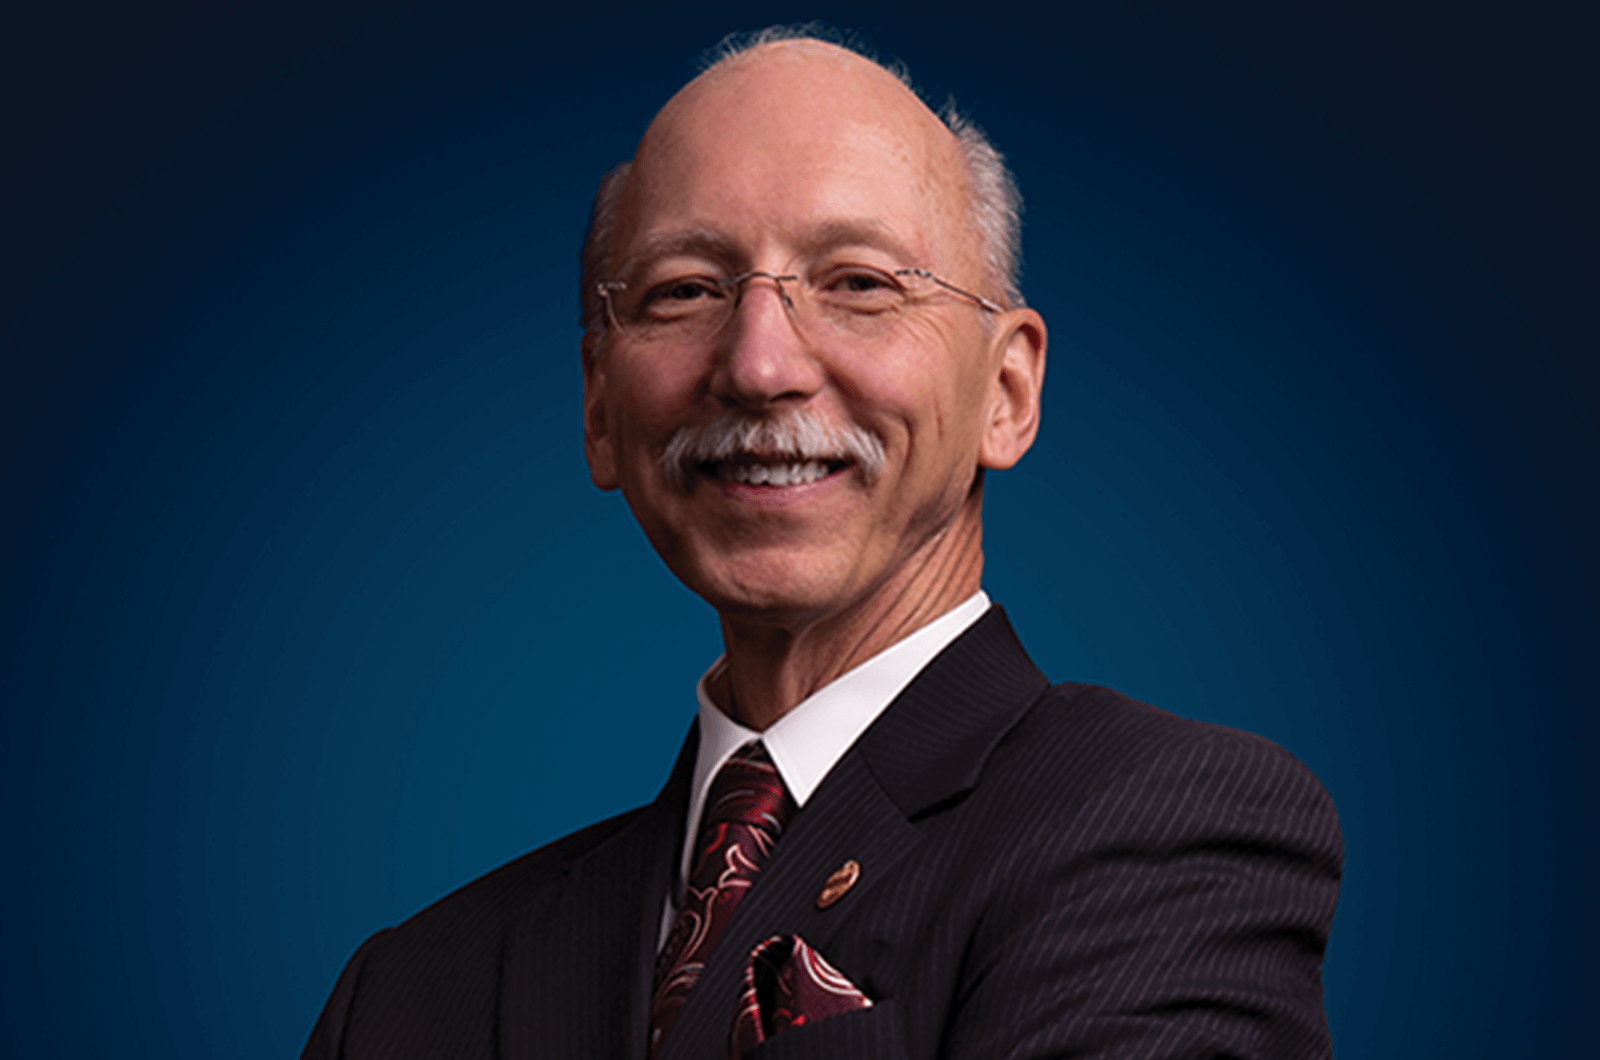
(791, 142)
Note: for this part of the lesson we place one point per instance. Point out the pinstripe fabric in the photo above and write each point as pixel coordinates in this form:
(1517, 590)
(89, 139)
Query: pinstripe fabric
(1044, 872)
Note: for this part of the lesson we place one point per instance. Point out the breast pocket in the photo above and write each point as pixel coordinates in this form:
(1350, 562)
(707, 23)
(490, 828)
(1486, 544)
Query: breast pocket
(870, 1032)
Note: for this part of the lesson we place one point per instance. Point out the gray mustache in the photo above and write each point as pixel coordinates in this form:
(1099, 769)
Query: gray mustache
(796, 433)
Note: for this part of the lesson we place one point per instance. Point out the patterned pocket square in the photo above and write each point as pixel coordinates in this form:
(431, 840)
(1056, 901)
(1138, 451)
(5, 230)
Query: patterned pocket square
(788, 984)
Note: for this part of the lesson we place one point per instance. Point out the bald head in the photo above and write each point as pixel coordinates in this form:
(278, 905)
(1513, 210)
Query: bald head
(806, 90)
(798, 134)
(777, 111)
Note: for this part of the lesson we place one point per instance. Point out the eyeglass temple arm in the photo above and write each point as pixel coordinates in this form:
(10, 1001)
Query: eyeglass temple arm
(926, 275)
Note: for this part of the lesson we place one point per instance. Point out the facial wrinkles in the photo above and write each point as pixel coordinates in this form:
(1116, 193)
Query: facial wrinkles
(795, 436)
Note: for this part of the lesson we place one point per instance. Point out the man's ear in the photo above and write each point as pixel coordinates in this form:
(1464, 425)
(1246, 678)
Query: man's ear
(598, 447)
(1013, 416)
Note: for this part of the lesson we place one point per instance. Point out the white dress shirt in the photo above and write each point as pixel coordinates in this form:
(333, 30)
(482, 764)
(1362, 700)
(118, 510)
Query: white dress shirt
(806, 742)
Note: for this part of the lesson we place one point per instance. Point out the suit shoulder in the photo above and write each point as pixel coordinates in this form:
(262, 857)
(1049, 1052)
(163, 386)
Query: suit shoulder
(1168, 878)
(1124, 729)
(432, 979)
(1113, 746)
(484, 906)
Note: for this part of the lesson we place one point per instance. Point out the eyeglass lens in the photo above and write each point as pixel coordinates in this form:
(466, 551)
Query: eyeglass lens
(856, 303)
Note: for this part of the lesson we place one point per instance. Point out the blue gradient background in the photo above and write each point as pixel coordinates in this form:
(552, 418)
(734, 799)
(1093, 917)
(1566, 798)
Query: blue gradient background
(308, 613)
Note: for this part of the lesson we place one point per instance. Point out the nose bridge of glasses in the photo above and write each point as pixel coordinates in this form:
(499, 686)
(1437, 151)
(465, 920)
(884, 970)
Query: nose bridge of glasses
(737, 285)
(794, 308)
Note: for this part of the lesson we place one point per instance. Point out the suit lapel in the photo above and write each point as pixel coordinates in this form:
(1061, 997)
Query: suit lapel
(578, 967)
(923, 753)
(930, 746)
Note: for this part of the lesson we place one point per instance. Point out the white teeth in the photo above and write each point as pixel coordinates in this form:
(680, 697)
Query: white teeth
(799, 474)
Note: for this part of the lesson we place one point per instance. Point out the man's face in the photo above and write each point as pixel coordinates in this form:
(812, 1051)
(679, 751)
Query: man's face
(801, 161)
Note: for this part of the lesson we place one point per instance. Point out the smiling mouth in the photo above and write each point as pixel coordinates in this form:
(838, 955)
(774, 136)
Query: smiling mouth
(770, 472)
(780, 451)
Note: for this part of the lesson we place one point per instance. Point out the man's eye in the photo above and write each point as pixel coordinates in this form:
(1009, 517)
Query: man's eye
(859, 282)
(675, 298)
(687, 291)
(861, 290)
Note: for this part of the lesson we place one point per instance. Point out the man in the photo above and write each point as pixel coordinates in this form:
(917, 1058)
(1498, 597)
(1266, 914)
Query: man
(886, 834)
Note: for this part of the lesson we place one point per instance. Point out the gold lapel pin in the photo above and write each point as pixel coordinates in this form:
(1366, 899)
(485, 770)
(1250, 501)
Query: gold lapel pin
(844, 877)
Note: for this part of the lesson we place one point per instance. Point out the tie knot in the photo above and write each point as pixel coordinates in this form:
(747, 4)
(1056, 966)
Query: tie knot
(747, 790)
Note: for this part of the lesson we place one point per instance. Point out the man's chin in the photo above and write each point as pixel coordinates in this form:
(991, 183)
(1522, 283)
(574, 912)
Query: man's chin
(769, 589)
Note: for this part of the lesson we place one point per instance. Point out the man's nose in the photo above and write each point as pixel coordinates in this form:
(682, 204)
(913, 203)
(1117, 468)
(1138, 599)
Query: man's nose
(763, 358)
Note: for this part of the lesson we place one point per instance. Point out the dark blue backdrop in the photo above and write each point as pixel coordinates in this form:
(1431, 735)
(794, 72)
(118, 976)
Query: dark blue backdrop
(308, 613)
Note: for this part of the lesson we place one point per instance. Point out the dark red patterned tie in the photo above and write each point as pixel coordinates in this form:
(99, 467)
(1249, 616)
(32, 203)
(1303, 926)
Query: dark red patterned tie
(744, 815)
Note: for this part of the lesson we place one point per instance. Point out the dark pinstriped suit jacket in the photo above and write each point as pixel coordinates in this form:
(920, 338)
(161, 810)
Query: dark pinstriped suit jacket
(1044, 872)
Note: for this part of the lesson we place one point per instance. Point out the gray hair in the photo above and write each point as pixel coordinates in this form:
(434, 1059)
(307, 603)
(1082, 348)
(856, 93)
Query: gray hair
(793, 433)
(994, 202)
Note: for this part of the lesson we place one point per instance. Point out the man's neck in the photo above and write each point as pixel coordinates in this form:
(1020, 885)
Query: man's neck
(772, 667)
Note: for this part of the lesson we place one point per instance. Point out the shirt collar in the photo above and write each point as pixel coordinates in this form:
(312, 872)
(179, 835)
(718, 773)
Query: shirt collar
(807, 742)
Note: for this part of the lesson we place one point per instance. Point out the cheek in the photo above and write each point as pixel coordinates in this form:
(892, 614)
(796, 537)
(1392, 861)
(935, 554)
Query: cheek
(932, 383)
(645, 407)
